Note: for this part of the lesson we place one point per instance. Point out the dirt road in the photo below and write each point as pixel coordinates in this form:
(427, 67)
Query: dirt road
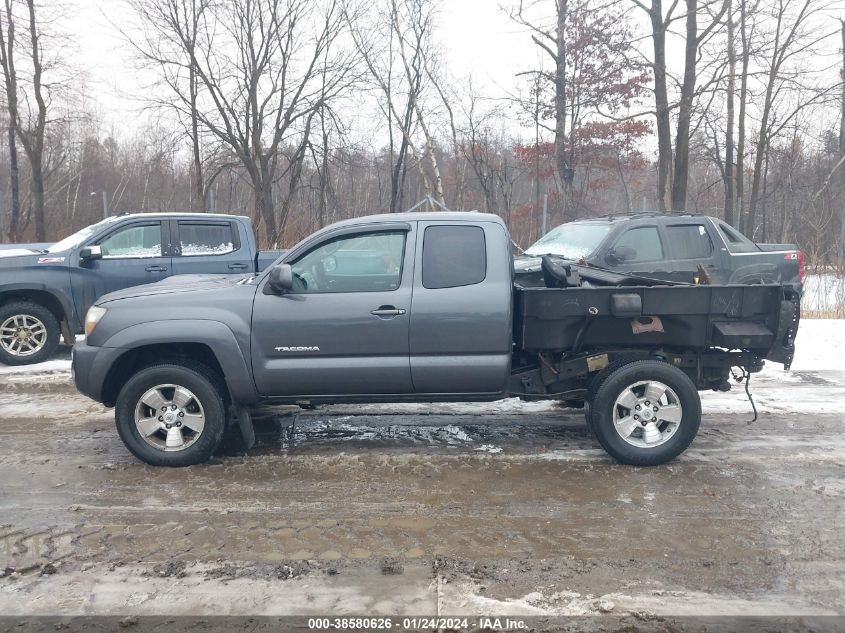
(504, 508)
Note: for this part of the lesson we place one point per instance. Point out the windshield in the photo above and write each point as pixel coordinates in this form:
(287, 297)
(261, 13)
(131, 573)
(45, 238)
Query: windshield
(572, 241)
(72, 241)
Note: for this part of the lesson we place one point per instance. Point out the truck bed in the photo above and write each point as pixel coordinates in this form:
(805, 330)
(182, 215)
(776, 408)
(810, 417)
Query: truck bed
(756, 318)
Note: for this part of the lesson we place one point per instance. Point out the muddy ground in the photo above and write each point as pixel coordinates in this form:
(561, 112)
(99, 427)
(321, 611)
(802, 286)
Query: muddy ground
(443, 509)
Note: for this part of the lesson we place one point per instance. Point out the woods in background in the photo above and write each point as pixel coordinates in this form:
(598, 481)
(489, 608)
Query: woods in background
(303, 112)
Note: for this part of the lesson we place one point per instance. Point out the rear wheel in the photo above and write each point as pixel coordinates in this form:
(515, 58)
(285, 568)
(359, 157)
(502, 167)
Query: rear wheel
(171, 415)
(645, 413)
(29, 333)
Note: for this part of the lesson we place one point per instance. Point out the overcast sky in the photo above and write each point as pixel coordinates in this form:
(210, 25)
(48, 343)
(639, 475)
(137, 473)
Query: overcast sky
(480, 38)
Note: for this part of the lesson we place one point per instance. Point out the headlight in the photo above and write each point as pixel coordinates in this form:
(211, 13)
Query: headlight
(95, 313)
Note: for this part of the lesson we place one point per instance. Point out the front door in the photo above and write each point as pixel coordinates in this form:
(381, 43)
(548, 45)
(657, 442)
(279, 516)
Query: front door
(343, 329)
(133, 254)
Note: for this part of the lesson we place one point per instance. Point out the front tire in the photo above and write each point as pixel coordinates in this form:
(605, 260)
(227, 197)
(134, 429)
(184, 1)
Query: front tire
(646, 413)
(29, 333)
(171, 415)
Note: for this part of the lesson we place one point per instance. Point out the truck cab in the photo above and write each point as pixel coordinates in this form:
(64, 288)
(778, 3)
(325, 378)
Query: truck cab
(390, 307)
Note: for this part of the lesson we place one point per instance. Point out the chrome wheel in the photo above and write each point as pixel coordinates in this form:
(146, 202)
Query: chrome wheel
(22, 335)
(169, 417)
(647, 413)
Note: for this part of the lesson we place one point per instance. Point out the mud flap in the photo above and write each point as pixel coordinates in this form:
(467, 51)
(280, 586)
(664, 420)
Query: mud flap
(784, 348)
(245, 424)
(67, 335)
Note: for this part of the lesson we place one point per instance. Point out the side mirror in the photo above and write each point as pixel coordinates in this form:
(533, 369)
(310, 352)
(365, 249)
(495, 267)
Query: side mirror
(280, 278)
(89, 253)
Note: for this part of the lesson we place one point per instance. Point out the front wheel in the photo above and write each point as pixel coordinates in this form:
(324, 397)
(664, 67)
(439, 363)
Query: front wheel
(171, 415)
(646, 413)
(29, 333)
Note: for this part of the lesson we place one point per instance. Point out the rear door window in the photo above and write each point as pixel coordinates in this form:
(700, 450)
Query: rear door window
(453, 256)
(202, 238)
(644, 244)
(690, 241)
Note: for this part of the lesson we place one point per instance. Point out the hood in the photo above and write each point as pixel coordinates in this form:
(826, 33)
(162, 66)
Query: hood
(179, 284)
(16, 252)
(13, 258)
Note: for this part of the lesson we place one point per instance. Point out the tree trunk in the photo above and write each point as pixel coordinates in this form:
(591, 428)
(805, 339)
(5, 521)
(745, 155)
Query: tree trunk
(841, 246)
(729, 131)
(661, 102)
(14, 173)
(199, 184)
(37, 192)
(681, 175)
(560, 100)
(264, 207)
(743, 100)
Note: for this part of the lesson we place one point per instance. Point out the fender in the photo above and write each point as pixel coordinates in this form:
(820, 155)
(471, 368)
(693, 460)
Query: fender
(214, 334)
(61, 299)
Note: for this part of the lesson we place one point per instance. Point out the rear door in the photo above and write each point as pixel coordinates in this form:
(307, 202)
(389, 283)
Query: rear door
(691, 245)
(209, 246)
(461, 320)
(343, 329)
(133, 254)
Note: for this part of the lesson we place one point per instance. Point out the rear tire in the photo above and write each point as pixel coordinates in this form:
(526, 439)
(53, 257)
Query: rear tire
(29, 333)
(645, 413)
(171, 415)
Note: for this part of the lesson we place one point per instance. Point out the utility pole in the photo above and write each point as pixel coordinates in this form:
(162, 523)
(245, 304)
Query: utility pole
(105, 203)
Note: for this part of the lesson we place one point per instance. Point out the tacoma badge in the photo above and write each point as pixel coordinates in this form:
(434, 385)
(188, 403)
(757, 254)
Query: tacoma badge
(310, 348)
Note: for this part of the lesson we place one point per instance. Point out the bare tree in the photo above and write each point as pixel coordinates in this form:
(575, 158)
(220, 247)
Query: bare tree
(7, 60)
(402, 35)
(259, 81)
(793, 33)
(168, 41)
(28, 121)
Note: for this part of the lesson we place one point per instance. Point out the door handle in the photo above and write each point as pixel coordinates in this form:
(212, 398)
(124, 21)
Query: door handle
(156, 269)
(237, 266)
(387, 311)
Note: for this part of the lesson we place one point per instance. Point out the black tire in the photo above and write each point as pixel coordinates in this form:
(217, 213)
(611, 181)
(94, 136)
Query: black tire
(30, 310)
(632, 373)
(206, 388)
(595, 383)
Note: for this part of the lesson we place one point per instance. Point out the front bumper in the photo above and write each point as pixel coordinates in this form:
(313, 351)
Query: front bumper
(90, 367)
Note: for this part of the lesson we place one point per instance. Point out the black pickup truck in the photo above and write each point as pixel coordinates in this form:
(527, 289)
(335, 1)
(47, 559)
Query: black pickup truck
(670, 246)
(45, 292)
(422, 307)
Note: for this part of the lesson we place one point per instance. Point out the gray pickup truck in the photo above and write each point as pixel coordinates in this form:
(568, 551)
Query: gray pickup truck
(45, 291)
(421, 307)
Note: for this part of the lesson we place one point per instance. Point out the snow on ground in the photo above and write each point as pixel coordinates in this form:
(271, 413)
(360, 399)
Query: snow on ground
(49, 366)
(816, 381)
(824, 294)
(820, 345)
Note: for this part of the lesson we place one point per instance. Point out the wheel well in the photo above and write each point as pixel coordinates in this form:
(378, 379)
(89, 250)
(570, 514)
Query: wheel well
(197, 356)
(40, 297)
